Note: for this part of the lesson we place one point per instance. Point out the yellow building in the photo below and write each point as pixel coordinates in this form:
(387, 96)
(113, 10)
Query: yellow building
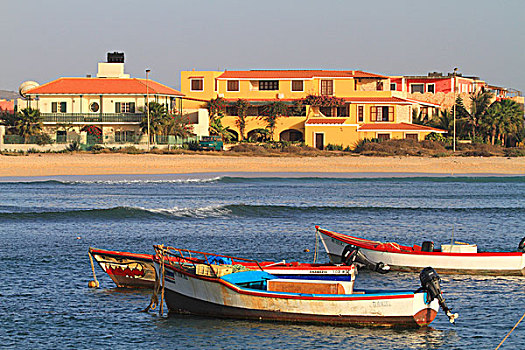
(348, 105)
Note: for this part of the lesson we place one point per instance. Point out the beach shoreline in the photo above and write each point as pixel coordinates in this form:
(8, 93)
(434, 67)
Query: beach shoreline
(48, 165)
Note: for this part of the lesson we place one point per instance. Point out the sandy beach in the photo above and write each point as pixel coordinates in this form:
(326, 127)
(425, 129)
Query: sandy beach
(109, 164)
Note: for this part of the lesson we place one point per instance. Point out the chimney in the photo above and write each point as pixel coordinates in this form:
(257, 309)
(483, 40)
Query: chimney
(115, 57)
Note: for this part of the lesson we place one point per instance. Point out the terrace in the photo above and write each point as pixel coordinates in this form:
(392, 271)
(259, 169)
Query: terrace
(82, 118)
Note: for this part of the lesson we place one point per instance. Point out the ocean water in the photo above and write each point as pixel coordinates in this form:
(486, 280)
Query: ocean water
(48, 225)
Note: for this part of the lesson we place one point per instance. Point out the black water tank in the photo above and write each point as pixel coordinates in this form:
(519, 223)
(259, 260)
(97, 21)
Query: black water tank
(427, 246)
(115, 57)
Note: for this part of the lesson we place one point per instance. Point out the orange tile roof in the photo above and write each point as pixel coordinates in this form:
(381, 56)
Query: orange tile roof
(103, 86)
(297, 74)
(397, 127)
(326, 121)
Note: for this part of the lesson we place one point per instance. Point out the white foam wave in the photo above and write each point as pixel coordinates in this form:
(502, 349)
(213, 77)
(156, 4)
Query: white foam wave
(144, 181)
(203, 212)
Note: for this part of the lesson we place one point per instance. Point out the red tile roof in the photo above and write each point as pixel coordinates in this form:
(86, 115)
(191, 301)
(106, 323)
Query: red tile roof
(326, 121)
(98, 86)
(297, 74)
(397, 127)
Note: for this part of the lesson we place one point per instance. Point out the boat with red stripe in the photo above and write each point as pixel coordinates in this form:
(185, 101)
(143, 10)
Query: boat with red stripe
(454, 258)
(193, 286)
(134, 270)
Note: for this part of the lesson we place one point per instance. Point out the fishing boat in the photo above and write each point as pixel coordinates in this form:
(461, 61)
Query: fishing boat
(133, 270)
(127, 270)
(454, 258)
(192, 286)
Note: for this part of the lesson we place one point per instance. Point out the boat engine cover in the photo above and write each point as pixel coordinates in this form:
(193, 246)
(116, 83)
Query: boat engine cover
(521, 246)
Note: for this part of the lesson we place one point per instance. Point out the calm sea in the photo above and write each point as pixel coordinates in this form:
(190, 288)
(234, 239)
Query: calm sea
(45, 302)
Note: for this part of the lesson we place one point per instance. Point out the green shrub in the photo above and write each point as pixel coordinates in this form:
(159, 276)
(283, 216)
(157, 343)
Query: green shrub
(73, 147)
(96, 148)
(131, 150)
(43, 139)
(514, 152)
(331, 147)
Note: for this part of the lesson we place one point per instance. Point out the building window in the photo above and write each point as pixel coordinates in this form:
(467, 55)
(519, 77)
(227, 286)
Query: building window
(124, 136)
(382, 114)
(411, 136)
(197, 85)
(393, 86)
(327, 87)
(383, 137)
(417, 88)
(379, 86)
(327, 111)
(268, 84)
(342, 111)
(360, 114)
(297, 85)
(58, 107)
(125, 107)
(94, 107)
(233, 85)
(216, 85)
(431, 88)
(61, 136)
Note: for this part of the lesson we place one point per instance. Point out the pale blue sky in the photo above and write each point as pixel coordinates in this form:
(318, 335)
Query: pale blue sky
(44, 40)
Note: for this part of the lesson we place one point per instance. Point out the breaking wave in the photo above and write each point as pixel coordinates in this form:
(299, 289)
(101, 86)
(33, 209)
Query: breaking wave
(228, 211)
(292, 178)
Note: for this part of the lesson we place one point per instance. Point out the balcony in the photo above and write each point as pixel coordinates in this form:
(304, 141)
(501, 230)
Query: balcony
(62, 118)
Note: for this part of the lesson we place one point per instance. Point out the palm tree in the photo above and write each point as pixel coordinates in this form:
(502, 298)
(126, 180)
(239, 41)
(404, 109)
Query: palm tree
(444, 121)
(420, 118)
(28, 123)
(479, 103)
(271, 113)
(157, 117)
(177, 125)
(241, 106)
(491, 122)
(216, 108)
(510, 119)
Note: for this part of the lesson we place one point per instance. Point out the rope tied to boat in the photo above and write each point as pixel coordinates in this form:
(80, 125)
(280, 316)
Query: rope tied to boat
(512, 330)
(94, 283)
(158, 288)
(316, 244)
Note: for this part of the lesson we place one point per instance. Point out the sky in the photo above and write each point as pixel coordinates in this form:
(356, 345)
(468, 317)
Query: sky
(45, 40)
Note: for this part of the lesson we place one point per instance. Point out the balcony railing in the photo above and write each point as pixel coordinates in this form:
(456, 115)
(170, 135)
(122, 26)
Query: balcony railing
(92, 118)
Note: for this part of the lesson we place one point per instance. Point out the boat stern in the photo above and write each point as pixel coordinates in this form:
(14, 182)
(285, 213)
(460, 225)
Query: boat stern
(424, 313)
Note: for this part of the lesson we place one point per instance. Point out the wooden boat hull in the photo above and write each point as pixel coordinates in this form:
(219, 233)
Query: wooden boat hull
(127, 270)
(492, 264)
(132, 270)
(213, 297)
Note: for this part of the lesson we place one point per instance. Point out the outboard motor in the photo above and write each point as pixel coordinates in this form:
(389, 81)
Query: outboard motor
(427, 246)
(521, 246)
(351, 255)
(430, 282)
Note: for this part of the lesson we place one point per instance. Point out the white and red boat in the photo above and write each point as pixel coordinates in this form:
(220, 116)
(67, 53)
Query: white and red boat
(457, 258)
(133, 270)
(192, 286)
(127, 270)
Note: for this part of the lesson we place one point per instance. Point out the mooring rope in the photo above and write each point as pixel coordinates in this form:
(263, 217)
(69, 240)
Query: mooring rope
(163, 281)
(513, 328)
(316, 244)
(158, 288)
(93, 269)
